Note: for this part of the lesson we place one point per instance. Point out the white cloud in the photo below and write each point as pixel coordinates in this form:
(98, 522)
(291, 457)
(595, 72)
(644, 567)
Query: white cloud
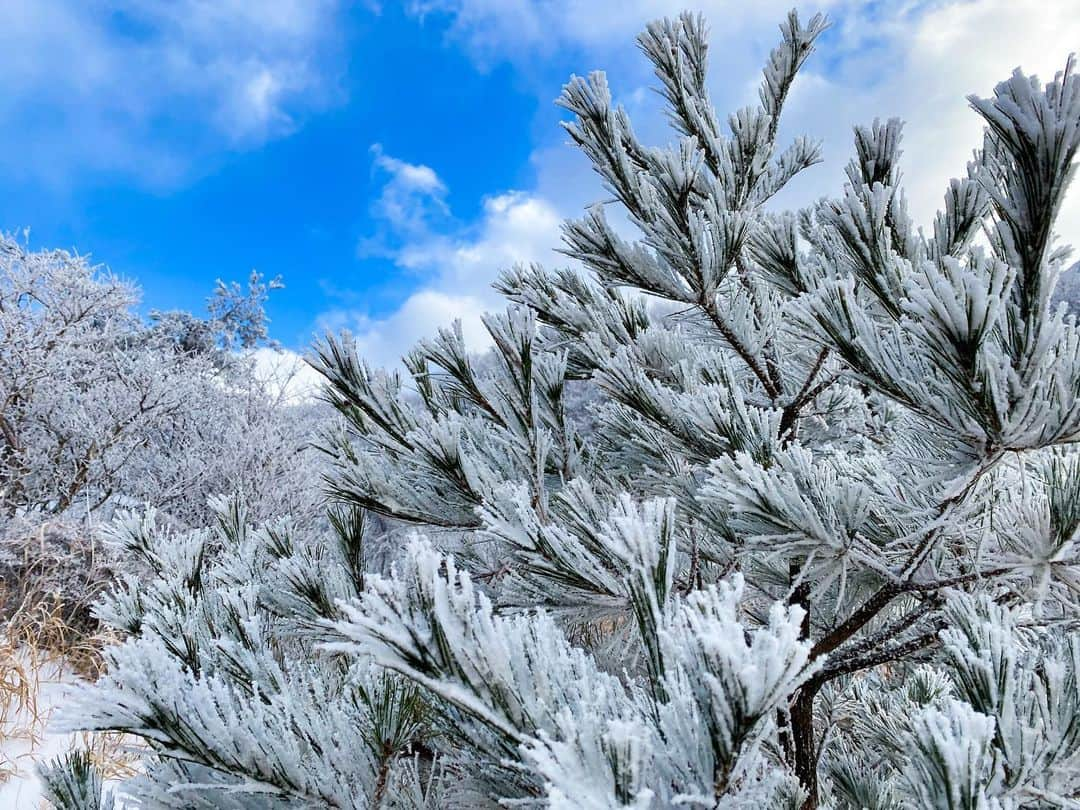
(412, 200)
(517, 29)
(916, 60)
(930, 63)
(455, 268)
(966, 48)
(383, 341)
(149, 87)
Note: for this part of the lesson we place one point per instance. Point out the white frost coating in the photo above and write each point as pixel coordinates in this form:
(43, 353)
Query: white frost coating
(952, 764)
(745, 510)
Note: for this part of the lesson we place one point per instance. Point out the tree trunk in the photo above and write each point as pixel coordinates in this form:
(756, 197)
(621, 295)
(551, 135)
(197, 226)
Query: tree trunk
(803, 750)
(803, 744)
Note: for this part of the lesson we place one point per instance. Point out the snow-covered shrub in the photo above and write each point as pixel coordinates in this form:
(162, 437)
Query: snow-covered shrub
(74, 784)
(100, 409)
(51, 574)
(1068, 289)
(814, 545)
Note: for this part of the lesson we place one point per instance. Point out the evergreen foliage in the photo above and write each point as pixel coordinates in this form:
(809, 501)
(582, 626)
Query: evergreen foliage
(813, 543)
(72, 783)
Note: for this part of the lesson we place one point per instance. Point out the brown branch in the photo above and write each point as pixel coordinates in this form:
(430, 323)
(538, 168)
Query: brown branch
(986, 573)
(923, 550)
(813, 393)
(876, 657)
(493, 574)
(890, 632)
(856, 621)
(819, 363)
(804, 742)
(790, 416)
(709, 308)
(9, 434)
(903, 582)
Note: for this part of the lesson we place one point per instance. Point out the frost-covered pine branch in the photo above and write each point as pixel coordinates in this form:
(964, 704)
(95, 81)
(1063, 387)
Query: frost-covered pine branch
(754, 509)
(73, 783)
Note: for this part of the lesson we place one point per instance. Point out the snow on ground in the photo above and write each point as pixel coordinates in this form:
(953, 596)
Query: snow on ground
(31, 689)
(31, 692)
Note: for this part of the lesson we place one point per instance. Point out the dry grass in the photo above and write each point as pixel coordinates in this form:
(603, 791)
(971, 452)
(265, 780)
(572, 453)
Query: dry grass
(40, 626)
(51, 575)
(49, 637)
(115, 755)
(29, 668)
(21, 721)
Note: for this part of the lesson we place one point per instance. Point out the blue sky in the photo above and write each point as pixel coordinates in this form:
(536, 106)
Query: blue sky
(387, 159)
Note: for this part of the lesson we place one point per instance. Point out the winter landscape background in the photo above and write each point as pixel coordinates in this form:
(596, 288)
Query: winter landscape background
(744, 508)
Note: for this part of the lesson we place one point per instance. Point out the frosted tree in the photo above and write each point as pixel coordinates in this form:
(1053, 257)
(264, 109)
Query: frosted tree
(814, 543)
(98, 408)
(236, 321)
(58, 318)
(1068, 289)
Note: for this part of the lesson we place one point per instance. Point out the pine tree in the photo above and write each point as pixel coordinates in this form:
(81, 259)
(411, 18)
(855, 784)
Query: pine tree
(812, 541)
